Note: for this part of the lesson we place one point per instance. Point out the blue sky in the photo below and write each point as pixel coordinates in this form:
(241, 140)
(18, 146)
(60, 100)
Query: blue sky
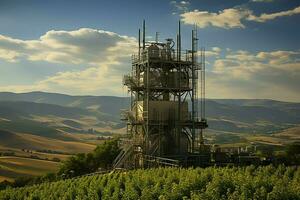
(84, 47)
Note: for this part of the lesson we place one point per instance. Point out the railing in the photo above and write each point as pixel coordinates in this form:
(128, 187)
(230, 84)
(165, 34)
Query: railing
(162, 54)
(155, 117)
(162, 161)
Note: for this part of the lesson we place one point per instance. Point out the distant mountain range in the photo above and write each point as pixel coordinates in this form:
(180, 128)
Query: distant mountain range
(105, 104)
(79, 114)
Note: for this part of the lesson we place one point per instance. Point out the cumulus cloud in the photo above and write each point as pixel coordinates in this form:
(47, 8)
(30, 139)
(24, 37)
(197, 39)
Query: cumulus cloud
(105, 79)
(8, 55)
(104, 55)
(231, 17)
(228, 18)
(82, 46)
(242, 74)
(213, 52)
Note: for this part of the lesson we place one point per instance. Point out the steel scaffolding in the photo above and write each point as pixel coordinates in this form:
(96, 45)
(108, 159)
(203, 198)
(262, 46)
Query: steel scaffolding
(163, 121)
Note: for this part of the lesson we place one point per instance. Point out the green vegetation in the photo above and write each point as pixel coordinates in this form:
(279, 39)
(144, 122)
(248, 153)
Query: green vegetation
(288, 155)
(172, 183)
(102, 157)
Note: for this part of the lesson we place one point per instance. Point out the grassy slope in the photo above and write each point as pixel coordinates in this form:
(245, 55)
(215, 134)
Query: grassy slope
(291, 133)
(12, 167)
(233, 115)
(34, 142)
(280, 138)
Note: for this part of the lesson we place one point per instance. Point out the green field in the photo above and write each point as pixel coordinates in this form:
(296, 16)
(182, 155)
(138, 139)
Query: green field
(172, 183)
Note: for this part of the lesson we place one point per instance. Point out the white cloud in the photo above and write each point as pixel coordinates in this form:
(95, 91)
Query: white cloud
(11, 49)
(266, 17)
(231, 17)
(105, 79)
(8, 55)
(213, 52)
(228, 18)
(242, 74)
(82, 46)
(216, 49)
(268, 1)
(105, 56)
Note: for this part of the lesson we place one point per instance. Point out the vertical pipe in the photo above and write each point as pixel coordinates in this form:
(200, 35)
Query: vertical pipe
(204, 82)
(177, 47)
(202, 92)
(137, 76)
(139, 44)
(148, 90)
(193, 92)
(147, 106)
(203, 76)
(179, 41)
(202, 86)
(179, 93)
(144, 34)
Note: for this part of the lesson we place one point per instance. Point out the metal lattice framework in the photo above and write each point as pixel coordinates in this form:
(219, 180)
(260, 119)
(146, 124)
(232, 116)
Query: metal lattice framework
(163, 120)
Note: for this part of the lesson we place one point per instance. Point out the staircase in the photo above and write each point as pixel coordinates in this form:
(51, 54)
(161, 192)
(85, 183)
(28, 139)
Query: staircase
(123, 156)
(154, 147)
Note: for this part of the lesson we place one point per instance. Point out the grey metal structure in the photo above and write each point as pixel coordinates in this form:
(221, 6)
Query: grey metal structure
(163, 121)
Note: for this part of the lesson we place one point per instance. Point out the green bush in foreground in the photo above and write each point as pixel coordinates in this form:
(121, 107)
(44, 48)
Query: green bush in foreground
(172, 183)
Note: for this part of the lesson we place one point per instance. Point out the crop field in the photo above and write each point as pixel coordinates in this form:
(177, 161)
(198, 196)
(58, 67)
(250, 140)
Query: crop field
(172, 183)
(12, 167)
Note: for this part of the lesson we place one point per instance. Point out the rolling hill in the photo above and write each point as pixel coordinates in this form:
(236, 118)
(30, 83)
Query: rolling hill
(108, 105)
(62, 117)
(53, 121)
(45, 122)
(229, 115)
(13, 167)
(33, 142)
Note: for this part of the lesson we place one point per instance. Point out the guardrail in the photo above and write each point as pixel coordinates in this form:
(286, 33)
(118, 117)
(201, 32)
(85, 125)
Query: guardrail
(162, 161)
(162, 54)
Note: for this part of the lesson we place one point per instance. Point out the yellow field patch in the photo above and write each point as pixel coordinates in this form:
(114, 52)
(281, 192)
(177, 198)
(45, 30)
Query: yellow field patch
(57, 145)
(12, 167)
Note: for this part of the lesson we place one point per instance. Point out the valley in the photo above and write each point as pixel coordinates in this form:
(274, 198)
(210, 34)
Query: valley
(40, 128)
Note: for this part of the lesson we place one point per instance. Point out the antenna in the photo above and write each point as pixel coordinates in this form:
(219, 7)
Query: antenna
(139, 43)
(144, 34)
(204, 82)
(156, 36)
(179, 41)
